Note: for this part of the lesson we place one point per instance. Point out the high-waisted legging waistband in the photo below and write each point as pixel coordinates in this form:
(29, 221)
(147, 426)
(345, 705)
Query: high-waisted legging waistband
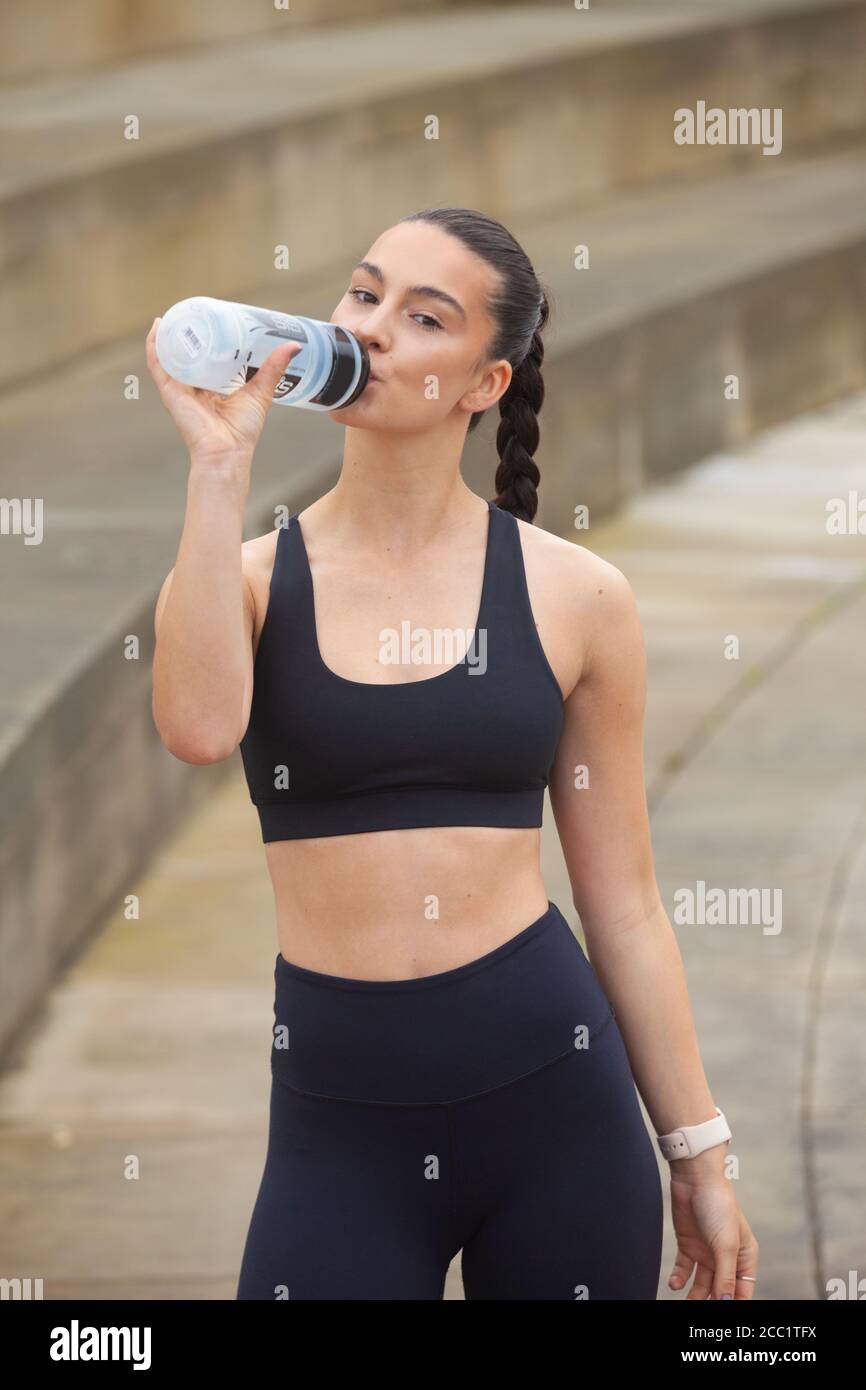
(439, 1038)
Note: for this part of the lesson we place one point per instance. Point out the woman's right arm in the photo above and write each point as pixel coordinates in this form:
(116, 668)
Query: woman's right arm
(205, 613)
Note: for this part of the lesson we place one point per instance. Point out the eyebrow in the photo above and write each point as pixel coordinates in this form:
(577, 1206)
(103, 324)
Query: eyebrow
(429, 291)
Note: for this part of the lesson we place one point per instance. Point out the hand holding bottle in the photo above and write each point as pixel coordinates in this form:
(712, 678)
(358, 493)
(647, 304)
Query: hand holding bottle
(212, 425)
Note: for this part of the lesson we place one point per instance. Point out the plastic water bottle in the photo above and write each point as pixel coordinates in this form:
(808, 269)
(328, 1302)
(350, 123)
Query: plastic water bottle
(220, 345)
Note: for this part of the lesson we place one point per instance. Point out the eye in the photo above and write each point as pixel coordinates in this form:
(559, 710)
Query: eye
(432, 326)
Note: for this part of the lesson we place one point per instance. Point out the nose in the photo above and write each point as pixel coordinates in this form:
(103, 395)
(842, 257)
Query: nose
(372, 327)
(371, 335)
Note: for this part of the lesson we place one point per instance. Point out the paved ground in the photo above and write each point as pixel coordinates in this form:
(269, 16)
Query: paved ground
(155, 1046)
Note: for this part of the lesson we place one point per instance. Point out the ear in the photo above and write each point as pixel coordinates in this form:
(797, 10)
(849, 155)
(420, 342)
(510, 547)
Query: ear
(494, 383)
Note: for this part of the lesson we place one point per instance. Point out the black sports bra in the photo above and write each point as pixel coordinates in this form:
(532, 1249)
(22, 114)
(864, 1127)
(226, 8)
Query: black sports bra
(473, 745)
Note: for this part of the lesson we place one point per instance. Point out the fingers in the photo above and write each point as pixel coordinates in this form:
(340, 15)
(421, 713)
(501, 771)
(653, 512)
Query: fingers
(157, 371)
(265, 380)
(724, 1275)
(703, 1285)
(681, 1272)
(160, 375)
(735, 1255)
(747, 1269)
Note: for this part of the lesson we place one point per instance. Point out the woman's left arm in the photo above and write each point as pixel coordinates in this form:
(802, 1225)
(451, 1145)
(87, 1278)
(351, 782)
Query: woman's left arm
(598, 797)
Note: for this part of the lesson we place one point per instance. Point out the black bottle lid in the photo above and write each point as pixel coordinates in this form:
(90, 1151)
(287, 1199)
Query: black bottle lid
(345, 347)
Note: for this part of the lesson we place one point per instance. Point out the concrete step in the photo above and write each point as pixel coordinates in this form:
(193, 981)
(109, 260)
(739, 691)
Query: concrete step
(276, 141)
(764, 276)
(96, 34)
(93, 34)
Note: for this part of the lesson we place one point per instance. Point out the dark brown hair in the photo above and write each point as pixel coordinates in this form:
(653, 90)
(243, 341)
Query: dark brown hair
(519, 309)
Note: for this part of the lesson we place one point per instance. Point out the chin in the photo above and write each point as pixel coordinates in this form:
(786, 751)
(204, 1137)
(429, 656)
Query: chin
(358, 411)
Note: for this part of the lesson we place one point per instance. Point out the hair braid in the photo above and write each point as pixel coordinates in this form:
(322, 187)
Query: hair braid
(517, 475)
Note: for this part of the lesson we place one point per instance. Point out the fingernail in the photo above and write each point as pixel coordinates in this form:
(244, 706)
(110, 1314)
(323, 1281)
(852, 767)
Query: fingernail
(726, 1295)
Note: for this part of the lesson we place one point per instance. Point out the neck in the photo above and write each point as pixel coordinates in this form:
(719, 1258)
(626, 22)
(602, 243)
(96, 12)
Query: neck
(399, 493)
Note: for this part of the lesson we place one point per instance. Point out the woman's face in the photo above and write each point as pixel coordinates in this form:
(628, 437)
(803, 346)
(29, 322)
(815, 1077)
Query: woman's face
(425, 347)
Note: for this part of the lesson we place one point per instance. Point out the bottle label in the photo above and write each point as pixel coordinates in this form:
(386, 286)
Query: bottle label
(191, 341)
(283, 326)
(287, 382)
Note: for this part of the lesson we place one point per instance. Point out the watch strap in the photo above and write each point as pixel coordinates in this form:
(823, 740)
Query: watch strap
(691, 1140)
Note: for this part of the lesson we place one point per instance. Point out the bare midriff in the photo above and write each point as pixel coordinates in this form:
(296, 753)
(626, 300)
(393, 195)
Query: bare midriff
(399, 904)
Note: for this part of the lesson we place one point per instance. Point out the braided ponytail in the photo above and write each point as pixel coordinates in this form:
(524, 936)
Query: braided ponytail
(519, 309)
(517, 476)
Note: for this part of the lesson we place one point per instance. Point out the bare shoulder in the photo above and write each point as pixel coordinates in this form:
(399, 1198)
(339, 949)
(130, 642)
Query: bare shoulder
(257, 557)
(257, 565)
(575, 594)
(570, 558)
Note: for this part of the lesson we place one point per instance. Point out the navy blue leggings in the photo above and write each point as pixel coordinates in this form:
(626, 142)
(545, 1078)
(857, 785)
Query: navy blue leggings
(489, 1109)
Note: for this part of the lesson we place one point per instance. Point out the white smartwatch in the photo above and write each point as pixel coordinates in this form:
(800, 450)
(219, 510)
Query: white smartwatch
(691, 1140)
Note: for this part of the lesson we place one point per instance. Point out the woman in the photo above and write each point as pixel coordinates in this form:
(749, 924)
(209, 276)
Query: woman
(449, 1071)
